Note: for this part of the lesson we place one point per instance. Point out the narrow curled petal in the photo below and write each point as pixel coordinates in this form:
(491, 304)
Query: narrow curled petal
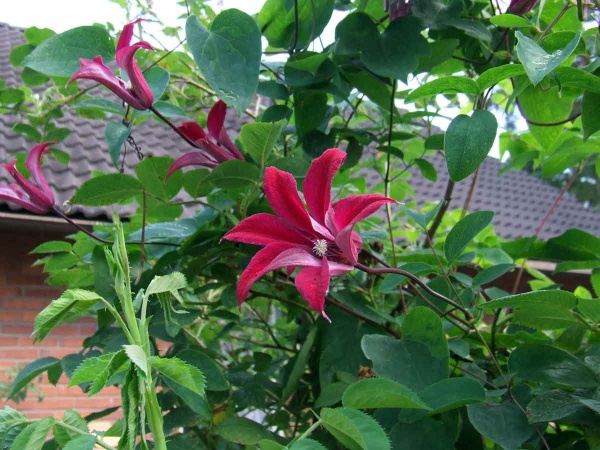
(350, 210)
(122, 53)
(216, 119)
(226, 141)
(127, 34)
(139, 85)
(94, 69)
(192, 131)
(10, 195)
(317, 184)
(265, 229)
(281, 191)
(191, 159)
(520, 7)
(273, 256)
(34, 165)
(37, 196)
(313, 284)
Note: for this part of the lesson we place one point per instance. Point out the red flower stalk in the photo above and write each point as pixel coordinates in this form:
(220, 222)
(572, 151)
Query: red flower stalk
(137, 93)
(520, 7)
(216, 146)
(323, 242)
(35, 196)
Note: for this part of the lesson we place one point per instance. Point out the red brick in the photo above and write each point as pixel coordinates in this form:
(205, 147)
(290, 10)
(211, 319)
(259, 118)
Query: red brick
(18, 279)
(47, 292)
(8, 340)
(20, 328)
(94, 402)
(71, 341)
(19, 353)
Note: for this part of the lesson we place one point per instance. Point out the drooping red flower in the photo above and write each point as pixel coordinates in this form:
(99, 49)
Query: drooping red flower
(137, 93)
(217, 147)
(520, 7)
(323, 242)
(35, 196)
(397, 8)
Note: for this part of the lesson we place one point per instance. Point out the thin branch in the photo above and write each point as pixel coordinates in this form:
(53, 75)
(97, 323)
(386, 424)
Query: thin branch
(470, 193)
(551, 124)
(440, 214)
(386, 180)
(555, 21)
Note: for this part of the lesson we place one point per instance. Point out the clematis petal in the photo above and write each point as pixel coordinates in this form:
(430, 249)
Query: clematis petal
(127, 34)
(350, 210)
(216, 119)
(313, 284)
(265, 229)
(191, 159)
(192, 131)
(95, 69)
(139, 85)
(34, 165)
(9, 195)
(281, 190)
(317, 184)
(273, 256)
(36, 195)
(226, 141)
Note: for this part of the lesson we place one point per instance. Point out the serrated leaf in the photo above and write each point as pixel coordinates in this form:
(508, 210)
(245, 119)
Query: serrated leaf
(464, 232)
(11, 424)
(444, 85)
(215, 380)
(58, 56)
(108, 189)
(166, 283)
(137, 356)
(355, 429)
(30, 371)
(63, 435)
(491, 273)
(89, 369)
(234, 174)
(552, 405)
(452, 393)
(242, 431)
(52, 247)
(504, 424)
(228, 55)
(71, 304)
(180, 372)
(151, 172)
(306, 444)
(468, 141)
(259, 139)
(116, 362)
(81, 443)
(34, 435)
(372, 393)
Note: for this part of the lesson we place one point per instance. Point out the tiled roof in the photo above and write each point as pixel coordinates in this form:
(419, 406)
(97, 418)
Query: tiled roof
(519, 199)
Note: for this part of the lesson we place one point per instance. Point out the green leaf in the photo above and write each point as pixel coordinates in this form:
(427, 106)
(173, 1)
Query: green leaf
(299, 366)
(354, 429)
(504, 424)
(116, 362)
(427, 433)
(89, 369)
(590, 308)
(242, 431)
(18, 54)
(195, 184)
(536, 61)
(58, 56)
(273, 89)
(108, 189)
(81, 443)
(468, 141)
(551, 406)
(419, 359)
(310, 108)
(452, 393)
(157, 79)
(546, 310)
(35, 35)
(228, 55)
(70, 305)
(166, 283)
(427, 169)
(270, 445)
(234, 174)
(34, 435)
(510, 21)
(11, 424)
(259, 139)
(464, 232)
(137, 356)
(276, 19)
(30, 371)
(215, 380)
(306, 444)
(101, 104)
(422, 219)
(115, 135)
(443, 85)
(577, 78)
(28, 131)
(590, 113)
(548, 364)
(180, 372)
(52, 247)
(63, 435)
(151, 172)
(491, 273)
(493, 76)
(372, 393)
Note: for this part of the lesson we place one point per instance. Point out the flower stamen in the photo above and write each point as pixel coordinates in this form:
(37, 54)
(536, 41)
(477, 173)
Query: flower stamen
(320, 248)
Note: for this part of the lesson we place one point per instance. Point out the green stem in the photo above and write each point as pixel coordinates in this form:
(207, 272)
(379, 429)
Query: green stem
(73, 429)
(155, 419)
(119, 320)
(308, 432)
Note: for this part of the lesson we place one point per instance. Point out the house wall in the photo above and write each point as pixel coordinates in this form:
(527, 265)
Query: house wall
(22, 295)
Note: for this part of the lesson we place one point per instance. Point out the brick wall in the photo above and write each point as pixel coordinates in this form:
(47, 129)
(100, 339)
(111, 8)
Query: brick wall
(22, 295)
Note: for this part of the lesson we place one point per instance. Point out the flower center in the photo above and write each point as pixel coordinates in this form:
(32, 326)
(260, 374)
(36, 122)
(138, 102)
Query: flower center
(320, 248)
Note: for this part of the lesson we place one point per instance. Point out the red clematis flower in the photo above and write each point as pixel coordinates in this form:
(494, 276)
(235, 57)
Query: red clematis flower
(520, 7)
(137, 93)
(35, 196)
(323, 242)
(397, 8)
(216, 150)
